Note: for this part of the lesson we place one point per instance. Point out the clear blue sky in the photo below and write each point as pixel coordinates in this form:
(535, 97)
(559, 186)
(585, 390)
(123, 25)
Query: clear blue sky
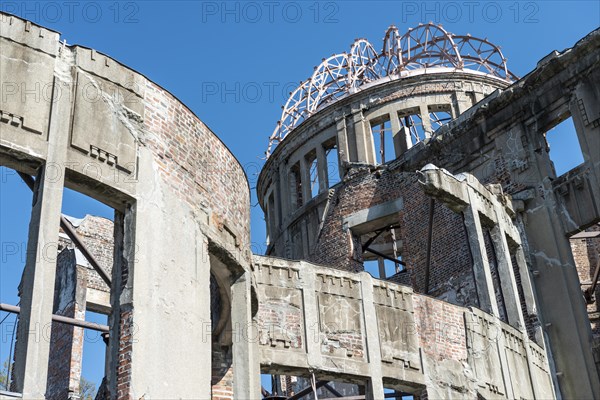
(233, 64)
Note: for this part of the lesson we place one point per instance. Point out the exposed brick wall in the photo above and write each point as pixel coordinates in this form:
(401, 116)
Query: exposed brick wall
(441, 328)
(195, 163)
(126, 338)
(97, 235)
(586, 253)
(222, 373)
(451, 275)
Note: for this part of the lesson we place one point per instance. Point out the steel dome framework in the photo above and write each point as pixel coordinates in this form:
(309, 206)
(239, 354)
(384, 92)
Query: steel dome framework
(425, 47)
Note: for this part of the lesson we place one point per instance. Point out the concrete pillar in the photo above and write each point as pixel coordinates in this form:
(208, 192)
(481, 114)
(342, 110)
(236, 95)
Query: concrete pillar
(283, 193)
(305, 180)
(309, 297)
(462, 103)
(375, 383)
(37, 285)
(363, 138)
(481, 266)
(246, 364)
(507, 278)
(343, 140)
(586, 118)
(168, 272)
(400, 135)
(322, 169)
(381, 265)
(560, 300)
(424, 111)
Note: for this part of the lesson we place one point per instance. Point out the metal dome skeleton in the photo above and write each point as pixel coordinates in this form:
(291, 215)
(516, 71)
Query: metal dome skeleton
(422, 48)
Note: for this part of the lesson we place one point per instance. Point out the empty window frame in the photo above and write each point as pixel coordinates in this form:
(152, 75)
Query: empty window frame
(383, 140)
(382, 253)
(313, 173)
(439, 115)
(563, 144)
(333, 163)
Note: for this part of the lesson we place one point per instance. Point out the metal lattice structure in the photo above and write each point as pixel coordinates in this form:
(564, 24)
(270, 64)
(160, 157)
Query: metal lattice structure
(422, 48)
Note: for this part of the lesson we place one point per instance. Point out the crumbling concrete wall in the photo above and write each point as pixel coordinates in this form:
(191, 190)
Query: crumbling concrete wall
(180, 196)
(416, 343)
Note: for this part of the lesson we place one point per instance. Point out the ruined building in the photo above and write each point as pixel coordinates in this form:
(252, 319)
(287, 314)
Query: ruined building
(423, 161)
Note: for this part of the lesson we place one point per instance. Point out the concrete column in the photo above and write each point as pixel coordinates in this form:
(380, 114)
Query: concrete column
(311, 315)
(560, 301)
(375, 384)
(305, 180)
(168, 265)
(322, 169)
(381, 265)
(507, 278)
(501, 348)
(401, 141)
(37, 290)
(343, 141)
(584, 110)
(284, 193)
(364, 139)
(481, 266)
(462, 103)
(424, 111)
(246, 364)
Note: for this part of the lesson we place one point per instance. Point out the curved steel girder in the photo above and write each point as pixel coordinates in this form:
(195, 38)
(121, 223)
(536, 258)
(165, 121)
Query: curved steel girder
(426, 46)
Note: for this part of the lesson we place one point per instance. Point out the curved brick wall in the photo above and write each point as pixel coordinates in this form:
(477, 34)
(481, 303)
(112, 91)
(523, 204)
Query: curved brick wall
(89, 123)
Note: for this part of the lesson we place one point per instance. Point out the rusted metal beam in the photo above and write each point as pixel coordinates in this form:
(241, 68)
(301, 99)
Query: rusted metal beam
(68, 229)
(377, 253)
(60, 318)
(332, 390)
(307, 390)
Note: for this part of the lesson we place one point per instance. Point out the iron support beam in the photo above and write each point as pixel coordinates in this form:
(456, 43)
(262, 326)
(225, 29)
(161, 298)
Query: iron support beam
(377, 253)
(307, 390)
(60, 318)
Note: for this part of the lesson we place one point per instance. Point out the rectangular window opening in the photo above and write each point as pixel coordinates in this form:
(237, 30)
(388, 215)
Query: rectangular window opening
(381, 253)
(93, 357)
(333, 164)
(313, 173)
(439, 115)
(383, 140)
(15, 214)
(563, 144)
